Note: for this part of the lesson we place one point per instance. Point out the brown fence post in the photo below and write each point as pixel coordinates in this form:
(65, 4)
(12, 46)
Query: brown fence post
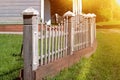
(30, 43)
(68, 15)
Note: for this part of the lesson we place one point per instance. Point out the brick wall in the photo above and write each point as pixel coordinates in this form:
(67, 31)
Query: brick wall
(11, 28)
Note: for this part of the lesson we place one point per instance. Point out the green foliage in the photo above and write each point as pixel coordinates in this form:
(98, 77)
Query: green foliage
(10, 60)
(105, 10)
(104, 64)
(60, 6)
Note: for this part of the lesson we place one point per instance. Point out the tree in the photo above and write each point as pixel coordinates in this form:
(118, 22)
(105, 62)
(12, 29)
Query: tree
(60, 6)
(104, 9)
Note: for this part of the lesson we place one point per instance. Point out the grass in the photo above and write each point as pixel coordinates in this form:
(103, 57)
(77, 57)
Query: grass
(108, 23)
(10, 60)
(104, 64)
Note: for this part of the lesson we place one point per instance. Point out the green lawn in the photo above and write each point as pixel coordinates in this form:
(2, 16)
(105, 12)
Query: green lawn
(108, 23)
(104, 64)
(10, 60)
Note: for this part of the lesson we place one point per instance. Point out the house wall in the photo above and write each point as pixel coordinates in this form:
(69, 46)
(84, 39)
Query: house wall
(11, 10)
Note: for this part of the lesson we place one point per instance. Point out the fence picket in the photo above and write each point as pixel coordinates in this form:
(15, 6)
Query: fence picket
(84, 33)
(78, 33)
(64, 54)
(52, 44)
(49, 44)
(45, 58)
(41, 44)
(87, 35)
(67, 35)
(56, 42)
(60, 42)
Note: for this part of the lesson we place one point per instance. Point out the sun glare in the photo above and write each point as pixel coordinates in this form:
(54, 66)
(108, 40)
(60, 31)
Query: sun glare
(118, 1)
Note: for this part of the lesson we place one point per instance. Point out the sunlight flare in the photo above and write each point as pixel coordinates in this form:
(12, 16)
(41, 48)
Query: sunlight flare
(118, 1)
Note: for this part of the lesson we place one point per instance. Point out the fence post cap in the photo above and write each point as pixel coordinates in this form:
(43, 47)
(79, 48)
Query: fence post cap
(30, 11)
(93, 15)
(56, 14)
(69, 14)
(85, 15)
(89, 15)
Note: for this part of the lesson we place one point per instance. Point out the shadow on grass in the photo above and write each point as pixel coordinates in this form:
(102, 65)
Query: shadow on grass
(13, 74)
(10, 72)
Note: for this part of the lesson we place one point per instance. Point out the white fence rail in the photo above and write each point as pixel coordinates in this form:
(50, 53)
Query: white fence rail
(50, 43)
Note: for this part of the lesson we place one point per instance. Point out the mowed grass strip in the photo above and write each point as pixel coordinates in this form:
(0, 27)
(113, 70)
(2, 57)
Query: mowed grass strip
(10, 60)
(104, 64)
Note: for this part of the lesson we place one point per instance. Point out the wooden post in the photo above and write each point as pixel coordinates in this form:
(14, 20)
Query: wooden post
(91, 29)
(30, 43)
(68, 15)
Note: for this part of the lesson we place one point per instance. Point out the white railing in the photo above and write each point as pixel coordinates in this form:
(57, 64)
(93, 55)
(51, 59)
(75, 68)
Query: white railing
(49, 43)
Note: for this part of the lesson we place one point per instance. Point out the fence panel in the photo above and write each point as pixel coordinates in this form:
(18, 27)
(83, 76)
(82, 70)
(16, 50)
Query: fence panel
(80, 32)
(58, 41)
(53, 43)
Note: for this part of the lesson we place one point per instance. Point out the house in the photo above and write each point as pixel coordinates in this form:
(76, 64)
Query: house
(11, 10)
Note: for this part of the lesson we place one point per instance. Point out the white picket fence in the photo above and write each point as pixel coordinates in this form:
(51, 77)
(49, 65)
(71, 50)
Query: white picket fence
(51, 43)
(84, 31)
(54, 40)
